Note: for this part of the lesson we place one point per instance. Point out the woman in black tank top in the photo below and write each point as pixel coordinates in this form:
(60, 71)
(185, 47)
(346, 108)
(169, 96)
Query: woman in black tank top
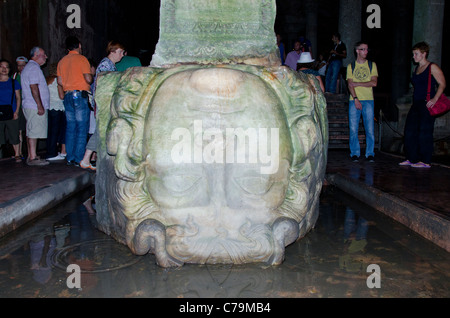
(420, 83)
(419, 126)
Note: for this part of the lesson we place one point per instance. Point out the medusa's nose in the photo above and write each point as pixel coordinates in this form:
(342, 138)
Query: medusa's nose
(217, 187)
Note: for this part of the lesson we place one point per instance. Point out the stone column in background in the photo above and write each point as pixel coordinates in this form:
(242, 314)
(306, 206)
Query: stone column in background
(293, 21)
(198, 32)
(428, 26)
(350, 26)
(312, 10)
(401, 48)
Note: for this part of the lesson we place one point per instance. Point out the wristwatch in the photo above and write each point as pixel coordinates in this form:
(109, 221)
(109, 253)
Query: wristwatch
(355, 97)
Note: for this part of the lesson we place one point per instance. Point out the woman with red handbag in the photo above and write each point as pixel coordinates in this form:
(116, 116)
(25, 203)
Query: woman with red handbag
(419, 126)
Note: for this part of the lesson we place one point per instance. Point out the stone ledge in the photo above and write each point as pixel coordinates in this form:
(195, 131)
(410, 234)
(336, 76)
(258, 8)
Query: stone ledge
(424, 222)
(21, 210)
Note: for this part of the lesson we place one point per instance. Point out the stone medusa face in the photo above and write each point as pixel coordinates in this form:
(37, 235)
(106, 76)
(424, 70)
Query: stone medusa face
(215, 153)
(201, 166)
(218, 152)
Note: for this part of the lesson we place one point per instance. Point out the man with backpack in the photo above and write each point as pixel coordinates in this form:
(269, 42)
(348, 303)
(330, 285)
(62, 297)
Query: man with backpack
(362, 77)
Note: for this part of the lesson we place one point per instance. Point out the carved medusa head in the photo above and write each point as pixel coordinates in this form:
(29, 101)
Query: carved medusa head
(211, 164)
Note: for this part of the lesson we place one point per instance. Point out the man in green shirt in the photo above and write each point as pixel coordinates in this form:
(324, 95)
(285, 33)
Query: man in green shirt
(127, 62)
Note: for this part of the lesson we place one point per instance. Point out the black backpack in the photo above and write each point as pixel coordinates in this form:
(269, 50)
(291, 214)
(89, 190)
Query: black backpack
(370, 66)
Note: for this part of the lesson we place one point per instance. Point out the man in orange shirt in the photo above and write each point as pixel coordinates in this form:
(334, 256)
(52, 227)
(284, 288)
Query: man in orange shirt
(74, 75)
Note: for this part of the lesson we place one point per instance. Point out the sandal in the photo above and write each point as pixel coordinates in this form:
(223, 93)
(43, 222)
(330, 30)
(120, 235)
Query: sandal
(405, 163)
(18, 159)
(89, 166)
(421, 165)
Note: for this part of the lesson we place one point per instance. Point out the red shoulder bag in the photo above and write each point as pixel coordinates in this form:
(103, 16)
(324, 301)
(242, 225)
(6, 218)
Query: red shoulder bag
(442, 105)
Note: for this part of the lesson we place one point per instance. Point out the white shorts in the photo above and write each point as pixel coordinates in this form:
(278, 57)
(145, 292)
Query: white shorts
(37, 126)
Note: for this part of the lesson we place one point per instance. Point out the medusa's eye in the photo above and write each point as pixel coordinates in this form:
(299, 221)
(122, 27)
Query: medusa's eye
(180, 183)
(256, 185)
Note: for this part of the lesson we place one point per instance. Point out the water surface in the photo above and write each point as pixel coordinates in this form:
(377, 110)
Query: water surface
(331, 261)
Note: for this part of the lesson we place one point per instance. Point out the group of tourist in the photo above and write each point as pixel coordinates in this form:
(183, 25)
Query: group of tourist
(58, 108)
(300, 59)
(362, 77)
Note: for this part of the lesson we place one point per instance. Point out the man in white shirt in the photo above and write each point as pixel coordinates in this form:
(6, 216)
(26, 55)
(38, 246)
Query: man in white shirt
(35, 104)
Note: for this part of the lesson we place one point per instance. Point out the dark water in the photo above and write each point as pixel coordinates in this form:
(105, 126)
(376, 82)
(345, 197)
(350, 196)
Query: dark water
(331, 261)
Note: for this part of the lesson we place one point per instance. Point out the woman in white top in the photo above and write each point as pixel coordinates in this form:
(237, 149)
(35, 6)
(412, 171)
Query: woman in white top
(56, 135)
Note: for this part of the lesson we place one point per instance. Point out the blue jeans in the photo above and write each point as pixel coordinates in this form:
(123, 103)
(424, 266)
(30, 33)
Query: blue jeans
(354, 116)
(77, 129)
(332, 76)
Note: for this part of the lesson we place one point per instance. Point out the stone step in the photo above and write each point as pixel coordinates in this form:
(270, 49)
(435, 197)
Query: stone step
(339, 103)
(336, 98)
(340, 121)
(338, 146)
(338, 131)
(332, 133)
(346, 137)
(335, 108)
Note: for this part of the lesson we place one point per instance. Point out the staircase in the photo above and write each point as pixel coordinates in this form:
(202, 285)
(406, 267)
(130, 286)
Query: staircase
(338, 130)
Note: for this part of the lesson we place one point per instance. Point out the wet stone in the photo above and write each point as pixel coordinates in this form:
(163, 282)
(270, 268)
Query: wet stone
(331, 261)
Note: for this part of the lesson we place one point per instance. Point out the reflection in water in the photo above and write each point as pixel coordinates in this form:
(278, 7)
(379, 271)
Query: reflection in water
(41, 250)
(355, 234)
(331, 261)
(367, 171)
